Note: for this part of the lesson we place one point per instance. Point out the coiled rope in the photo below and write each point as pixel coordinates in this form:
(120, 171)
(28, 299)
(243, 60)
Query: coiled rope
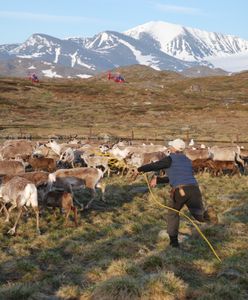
(182, 214)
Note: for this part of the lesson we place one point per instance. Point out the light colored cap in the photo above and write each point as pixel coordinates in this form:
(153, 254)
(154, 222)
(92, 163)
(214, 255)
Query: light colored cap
(178, 144)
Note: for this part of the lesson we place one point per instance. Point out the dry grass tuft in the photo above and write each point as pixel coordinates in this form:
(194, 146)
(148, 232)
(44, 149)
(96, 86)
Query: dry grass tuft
(164, 285)
(68, 292)
(117, 288)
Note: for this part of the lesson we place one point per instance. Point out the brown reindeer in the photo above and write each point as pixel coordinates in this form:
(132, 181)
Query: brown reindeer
(219, 167)
(64, 201)
(11, 167)
(42, 164)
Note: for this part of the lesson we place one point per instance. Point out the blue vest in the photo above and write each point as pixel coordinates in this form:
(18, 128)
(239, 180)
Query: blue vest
(180, 172)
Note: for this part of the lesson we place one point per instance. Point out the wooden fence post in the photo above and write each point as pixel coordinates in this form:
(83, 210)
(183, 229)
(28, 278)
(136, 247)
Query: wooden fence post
(237, 138)
(90, 133)
(187, 136)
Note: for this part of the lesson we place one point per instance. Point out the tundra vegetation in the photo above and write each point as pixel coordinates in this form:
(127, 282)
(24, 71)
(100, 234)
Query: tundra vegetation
(151, 103)
(119, 249)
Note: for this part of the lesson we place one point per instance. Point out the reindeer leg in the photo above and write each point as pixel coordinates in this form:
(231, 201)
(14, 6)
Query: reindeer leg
(75, 215)
(13, 229)
(108, 172)
(54, 212)
(102, 187)
(74, 199)
(13, 205)
(93, 196)
(6, 213)
(67, 216)
(36, 210)
(2, 205)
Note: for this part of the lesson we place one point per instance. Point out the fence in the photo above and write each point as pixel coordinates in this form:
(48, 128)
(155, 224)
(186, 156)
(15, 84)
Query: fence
(186, 136)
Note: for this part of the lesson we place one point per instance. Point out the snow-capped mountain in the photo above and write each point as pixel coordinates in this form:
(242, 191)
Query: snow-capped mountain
(222, 51)
(160, 45)
(188, 43)
(105, 51)
(123, 50)
(63, 52)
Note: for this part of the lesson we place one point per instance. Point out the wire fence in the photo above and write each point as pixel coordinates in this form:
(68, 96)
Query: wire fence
(108, 137)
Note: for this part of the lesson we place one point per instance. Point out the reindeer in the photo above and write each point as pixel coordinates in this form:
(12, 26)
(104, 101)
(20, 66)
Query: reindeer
(42, 164)
(19, 192)
(38, 178)
(11, 167)
(63, 200)
(12, 149)
(77, 177)
(97, 161)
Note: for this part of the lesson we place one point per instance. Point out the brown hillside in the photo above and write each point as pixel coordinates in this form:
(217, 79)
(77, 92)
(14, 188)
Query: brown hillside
(150, 104)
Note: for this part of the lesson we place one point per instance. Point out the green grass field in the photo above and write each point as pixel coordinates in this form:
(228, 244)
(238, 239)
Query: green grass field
(119, 252)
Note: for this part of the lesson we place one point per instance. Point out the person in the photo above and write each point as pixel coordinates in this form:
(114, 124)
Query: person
(34, 78)
(185, 189)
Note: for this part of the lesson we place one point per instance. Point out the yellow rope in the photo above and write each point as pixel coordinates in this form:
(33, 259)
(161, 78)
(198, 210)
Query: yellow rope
(182, 214)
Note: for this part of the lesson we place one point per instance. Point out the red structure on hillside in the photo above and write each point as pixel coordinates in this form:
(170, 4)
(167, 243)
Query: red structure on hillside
(116, 77)
(34, 78)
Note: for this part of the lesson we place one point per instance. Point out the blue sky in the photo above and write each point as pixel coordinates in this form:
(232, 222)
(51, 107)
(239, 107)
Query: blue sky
(69, 18)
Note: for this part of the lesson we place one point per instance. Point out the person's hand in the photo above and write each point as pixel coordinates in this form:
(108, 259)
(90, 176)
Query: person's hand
(134, 173)
(153, 181)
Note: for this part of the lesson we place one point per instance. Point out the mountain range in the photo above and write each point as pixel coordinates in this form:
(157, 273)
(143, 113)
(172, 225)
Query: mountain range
(160, 45)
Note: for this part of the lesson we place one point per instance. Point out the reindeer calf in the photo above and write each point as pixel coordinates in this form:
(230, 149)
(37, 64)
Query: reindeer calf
(218, 167)
(42, 164)
(62, 200)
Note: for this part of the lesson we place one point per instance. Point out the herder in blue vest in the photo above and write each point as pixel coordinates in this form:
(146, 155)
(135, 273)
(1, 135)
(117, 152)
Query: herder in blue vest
(185, 189)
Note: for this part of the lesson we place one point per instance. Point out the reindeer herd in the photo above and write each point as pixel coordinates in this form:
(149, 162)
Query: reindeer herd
(46, 173)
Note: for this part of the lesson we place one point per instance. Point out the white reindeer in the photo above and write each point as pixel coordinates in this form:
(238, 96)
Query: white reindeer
(19, 192)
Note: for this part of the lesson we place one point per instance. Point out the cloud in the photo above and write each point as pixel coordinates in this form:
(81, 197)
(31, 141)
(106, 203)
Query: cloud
(44, 17)
(178, 9)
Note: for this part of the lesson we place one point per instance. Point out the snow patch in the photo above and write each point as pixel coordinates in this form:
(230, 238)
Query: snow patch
(50, 73)
(147, 60)
(57, 54)
(84, 76)
(73, 59)
(80, 62)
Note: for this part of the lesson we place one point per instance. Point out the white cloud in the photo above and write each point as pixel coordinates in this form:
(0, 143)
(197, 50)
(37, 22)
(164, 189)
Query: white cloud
(178, 9)
(44, 17)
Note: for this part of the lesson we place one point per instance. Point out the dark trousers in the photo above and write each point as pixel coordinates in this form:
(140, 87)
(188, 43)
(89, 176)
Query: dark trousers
(192, 199)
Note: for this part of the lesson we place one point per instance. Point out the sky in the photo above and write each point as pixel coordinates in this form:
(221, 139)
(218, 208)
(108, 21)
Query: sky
(19, 19)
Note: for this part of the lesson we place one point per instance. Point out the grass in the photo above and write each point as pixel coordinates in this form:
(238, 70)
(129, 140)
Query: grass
(117, 252)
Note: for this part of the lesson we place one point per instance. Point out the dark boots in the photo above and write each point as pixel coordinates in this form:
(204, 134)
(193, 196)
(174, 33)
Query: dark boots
(174, 241)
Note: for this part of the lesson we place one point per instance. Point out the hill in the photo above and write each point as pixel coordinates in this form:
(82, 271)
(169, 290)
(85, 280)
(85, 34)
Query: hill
(203, 71)
(150, 104)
